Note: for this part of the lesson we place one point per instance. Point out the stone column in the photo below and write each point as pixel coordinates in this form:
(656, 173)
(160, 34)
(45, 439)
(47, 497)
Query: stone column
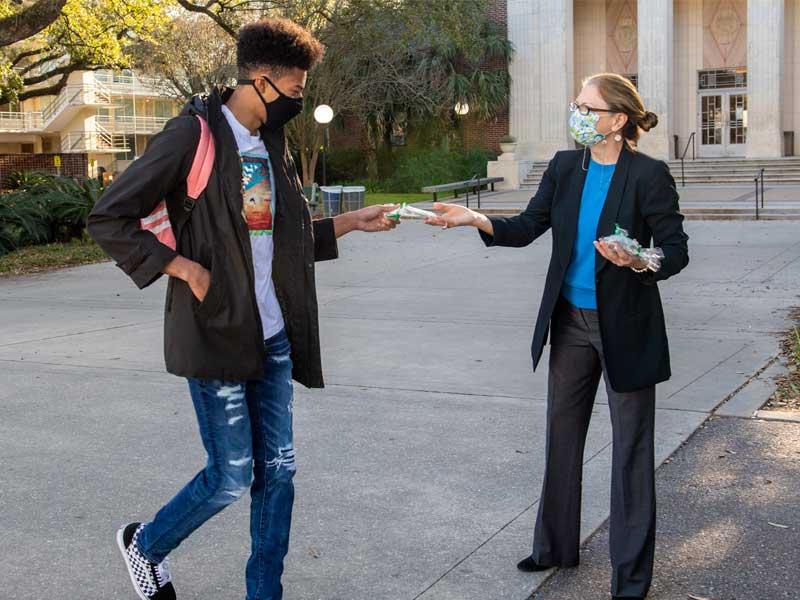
(656, 79)
(524, 70)
(541, 74)
(765, 68)
(554, 21)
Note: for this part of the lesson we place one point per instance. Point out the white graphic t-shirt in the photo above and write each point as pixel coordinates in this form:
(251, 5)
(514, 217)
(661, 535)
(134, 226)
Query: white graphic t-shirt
(258, 187)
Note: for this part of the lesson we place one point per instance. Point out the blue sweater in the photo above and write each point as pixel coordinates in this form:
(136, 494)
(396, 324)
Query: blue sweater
(579, 283)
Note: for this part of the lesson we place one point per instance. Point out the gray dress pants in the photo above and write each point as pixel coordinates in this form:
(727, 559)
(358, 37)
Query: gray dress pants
(576, 364)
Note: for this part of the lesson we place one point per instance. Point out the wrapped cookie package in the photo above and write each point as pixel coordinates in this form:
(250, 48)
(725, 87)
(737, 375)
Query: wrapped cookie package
(620, 240)
(409, 212)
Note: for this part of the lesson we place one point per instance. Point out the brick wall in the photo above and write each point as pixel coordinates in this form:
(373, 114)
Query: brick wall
(487, 134)
(72, 165)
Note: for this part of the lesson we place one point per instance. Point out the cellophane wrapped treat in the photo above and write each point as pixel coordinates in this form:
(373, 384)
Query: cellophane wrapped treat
(409, 212)
(620, 240)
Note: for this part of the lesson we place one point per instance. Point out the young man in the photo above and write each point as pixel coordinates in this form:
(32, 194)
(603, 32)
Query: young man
(241, 309)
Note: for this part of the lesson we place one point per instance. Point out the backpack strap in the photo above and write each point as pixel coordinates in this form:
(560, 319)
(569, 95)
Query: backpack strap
(202, 164)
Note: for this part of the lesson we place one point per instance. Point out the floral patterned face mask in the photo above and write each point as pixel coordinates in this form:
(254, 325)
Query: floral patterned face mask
(583, 128)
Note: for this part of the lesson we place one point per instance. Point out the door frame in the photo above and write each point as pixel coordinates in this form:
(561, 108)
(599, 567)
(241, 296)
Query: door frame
(725, 148)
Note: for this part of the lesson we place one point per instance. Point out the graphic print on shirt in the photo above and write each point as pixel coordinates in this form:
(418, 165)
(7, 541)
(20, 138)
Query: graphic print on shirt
(258, 203)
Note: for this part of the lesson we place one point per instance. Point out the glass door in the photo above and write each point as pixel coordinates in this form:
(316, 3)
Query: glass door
(711, 125)
(722, 123)
(736, 131)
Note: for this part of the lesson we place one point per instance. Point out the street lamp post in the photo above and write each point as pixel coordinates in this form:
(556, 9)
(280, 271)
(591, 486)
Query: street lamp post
(323, 115)
(462, 110)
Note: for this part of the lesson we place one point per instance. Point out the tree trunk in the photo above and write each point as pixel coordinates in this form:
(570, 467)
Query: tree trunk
(29, 21)
(307, 180)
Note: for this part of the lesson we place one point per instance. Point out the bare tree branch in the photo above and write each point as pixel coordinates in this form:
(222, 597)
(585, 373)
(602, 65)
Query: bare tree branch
(51, 90)
(39, 62)
(206, 10)
(23, 55)
(66, 69)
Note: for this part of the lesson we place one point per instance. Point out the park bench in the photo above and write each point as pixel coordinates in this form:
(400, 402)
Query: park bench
(475, 184)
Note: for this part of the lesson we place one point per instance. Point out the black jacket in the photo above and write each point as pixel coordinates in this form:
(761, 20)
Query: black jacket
(642, 199)
(218, 338)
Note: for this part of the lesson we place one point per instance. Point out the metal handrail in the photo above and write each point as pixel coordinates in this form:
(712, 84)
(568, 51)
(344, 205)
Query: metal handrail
(476, 178)
(89, 94)
(759, 177)
(683, 156)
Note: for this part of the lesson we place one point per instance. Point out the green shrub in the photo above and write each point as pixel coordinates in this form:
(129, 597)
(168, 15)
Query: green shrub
(23, 220)
(44, 208)
(25, 180)
(419, 168)
(370, 185)
(344, 164)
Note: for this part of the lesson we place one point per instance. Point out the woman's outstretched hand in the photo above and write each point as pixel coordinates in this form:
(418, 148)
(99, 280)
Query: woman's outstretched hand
(618, 257)
(454, 215)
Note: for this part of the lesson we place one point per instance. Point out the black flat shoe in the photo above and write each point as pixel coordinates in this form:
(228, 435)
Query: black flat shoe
(528, 565)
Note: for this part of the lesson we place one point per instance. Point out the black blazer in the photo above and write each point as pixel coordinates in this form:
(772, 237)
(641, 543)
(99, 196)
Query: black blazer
(642, 199)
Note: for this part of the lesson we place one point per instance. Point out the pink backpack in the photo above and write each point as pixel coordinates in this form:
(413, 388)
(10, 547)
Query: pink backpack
(157, 222)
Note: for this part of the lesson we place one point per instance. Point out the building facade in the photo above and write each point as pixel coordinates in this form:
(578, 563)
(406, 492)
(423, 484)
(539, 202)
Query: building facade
(723, 76)
(106, 115)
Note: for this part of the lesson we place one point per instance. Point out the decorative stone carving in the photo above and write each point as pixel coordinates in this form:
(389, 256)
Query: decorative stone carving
(624, 35)
(725, 27)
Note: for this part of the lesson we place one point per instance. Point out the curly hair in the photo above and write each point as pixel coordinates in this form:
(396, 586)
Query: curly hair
(276, 44)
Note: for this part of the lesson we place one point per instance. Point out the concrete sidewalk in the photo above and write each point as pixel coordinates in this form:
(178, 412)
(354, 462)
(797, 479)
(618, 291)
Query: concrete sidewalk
(728, 527)
(419, 465)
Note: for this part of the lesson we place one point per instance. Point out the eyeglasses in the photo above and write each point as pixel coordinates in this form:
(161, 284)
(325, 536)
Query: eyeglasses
(585, 109)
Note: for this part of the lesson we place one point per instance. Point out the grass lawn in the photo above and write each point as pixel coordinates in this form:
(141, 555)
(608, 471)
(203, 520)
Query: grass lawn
(381, 198)
(46, 257)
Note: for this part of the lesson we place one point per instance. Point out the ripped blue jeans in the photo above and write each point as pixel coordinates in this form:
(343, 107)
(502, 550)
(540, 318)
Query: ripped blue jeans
(246, 428)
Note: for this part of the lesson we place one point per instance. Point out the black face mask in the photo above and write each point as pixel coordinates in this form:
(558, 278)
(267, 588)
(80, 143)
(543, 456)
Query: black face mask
(281, 110)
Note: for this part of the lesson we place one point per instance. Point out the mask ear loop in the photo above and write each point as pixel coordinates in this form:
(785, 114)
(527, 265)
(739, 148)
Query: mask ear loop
(274, 87)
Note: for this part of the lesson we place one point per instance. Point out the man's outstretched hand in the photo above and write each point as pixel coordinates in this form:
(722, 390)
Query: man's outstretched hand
(370, 219)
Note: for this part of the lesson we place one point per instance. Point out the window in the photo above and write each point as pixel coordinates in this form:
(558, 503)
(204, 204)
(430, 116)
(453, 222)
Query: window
(720, 79)
(130, 142)
(27, 148)
(126, 106)
(163, 109)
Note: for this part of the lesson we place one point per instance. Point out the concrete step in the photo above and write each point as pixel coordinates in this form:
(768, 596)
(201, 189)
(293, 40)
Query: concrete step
(699, 216)
(714, 171)
(692, 210)
(713, 216)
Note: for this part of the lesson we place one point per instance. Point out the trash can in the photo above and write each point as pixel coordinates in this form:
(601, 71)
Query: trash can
(353, 197)
(331, 200)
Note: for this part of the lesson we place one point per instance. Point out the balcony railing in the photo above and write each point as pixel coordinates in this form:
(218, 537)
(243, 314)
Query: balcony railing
(21, 121)
(130, 124)
(130, 84)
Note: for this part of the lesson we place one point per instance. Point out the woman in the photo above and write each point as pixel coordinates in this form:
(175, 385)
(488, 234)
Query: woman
(603, 311)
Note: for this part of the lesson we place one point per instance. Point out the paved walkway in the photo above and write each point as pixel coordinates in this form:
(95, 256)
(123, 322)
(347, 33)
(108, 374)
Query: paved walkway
(419, 465)
(728, 527)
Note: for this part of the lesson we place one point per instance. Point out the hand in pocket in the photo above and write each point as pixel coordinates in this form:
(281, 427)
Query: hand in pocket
(199, 282)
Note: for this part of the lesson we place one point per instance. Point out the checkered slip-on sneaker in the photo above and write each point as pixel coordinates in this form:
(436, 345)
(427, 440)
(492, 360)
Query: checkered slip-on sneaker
(150, 580)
